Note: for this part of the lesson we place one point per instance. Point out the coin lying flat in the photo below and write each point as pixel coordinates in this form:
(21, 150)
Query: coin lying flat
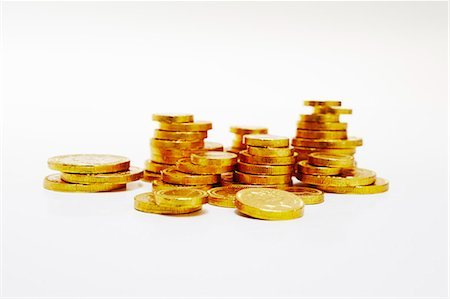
(224, 196)
(153, 166)
(170, 135)
(214, 159)
(163, 159)
(269, 204)
(351, 142)
(310, 196)
(145, 202)
(310, 134)
(160, 185)
(55, 183)
(151, 176)
(270, 151)
(244, 130)
(173, 176)
(173, 118)
(265, 169)
(89, 163)
(347, 177)
(245, 157)
(332, 110)
(254, 179)
(180, 197)
(331, 160)
(186, 166)
(266, 140)
(305, 168)
(322, 103)
(177, 144)
(332, 126)
(380, 185)
(186, 127)
(121, 177)
(319, 118)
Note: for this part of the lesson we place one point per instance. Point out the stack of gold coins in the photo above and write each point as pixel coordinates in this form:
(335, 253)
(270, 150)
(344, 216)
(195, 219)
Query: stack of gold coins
(202, 170)
(177, 137)
(322, 131)
(337, 173)
(171, 201)
(239, 132)
(267, 160)
(90, 173)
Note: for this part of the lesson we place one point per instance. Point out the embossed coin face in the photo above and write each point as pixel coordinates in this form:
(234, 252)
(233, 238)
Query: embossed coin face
(89, 163)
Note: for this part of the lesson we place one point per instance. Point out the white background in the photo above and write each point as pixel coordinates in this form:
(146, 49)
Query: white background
(86, 77)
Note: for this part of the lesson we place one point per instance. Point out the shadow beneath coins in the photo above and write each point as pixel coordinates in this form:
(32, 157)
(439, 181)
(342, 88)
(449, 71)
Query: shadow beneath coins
(243, 215)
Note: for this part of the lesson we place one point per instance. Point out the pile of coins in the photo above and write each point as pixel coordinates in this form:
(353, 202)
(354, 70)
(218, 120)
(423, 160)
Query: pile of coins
(267, 160)
(238, 144)
(90, 173)
(322, 131)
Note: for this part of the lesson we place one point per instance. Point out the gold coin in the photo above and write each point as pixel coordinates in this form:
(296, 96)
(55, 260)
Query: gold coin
(238, 144)
(347, 177)
(188, 136)
(214, 159)
(264, 169)
(320, 118)
(305, 168)
(309, 150)
(226, 178)
(271, 151)
(380, 185)
(89, 163)
(331, 160)
(176, 197)
(321, 134)
(165, 159)
(186, 166)
(176, 144)
(173, 176)
(151, 176)
(121, 177)
(244, 130)
(266, 140)
(145, 202)
(331, 110)
(186, 127)
(269, 204)
(345, 143)
(173, 118)
(245, 157)
(55, 183)
(224, 196)
(335, 126)
(322, 103)
(160, 185)
(310, 196)
(262, 179)
(153, 166)
(212, 146)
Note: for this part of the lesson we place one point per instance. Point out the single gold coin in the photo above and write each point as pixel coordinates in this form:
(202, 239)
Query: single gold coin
(173, 118)
(331, 160)
(146, 203)
(160, 185)
(224, 196)
(331, 110)
(121, 177)
(347, 177)
(319, 118)
(308, 150)
(269, 204)
(334, 126)
(245, 157)
(245, 130)
(173, 176)
(162, 159)
(266, 140)
(55, 183)
(151, 176)
(247, 178)
(379, 186)
(322, 103)
(176, 144)
(176, 197)
(271, 151)
(186, 166)
(89, 163)
(156, 167)
(351, 142)
(188, 136)
(265, 169)
(186, 127)
(214, 159)
(310, 196)
(212, 146)
(309, 134)
(305, 168)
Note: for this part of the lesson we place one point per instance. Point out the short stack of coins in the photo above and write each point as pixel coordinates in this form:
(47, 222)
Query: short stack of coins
(322, 131)
(90, 173)
(267, 160)
(238, 144)
(337, 173)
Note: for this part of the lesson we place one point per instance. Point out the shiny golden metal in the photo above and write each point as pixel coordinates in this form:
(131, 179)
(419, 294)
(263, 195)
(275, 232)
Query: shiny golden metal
(55, 183)
(160, 185)
(319, 118)
(89, 163)
(180, 197)
(245, 157)
(269, 204)
(145, 202)
(186, 166)
(173, 176)
(186, 127)
(380, 185)
(214, 159)
(262, 179)
(188, 136)
(121, 177)
(322, 103)
(224, 196)
(331, 160)
(309, 150)
(153, 166)
(226, 178)
(245, 130)
(347, 177)
(266, 140)
(270, 151)
(238, 144)
(305, 168)
(334, 126)
(151, 176)
(173, 118)
(176, 144)
(310, 196)
(309, 134)
(233, 150)
(345, 143)
(212, 146)
(165, 159)
(331, 110)
(265, 169)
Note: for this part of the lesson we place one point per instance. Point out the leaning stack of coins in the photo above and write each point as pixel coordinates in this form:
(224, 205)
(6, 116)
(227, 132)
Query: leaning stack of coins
(337, 174)
(322, 131)
(239, 131)
(268, 160)
(90, 173)
(178, 137)
(202, 170)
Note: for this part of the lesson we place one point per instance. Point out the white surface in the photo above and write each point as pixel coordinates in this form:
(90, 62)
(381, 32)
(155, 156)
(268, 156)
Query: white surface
(86, 77)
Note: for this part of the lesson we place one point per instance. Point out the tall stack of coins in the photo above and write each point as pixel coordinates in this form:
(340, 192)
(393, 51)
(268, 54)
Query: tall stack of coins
(239, 132)
(322, 131)
(90, 173)
(268, 160)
